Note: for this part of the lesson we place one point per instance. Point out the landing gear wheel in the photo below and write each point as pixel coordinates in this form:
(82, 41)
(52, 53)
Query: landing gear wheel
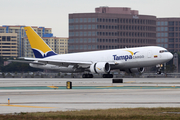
(107, 75)
(84, 76)
(159, 68)
(158, 72)
(87, 76)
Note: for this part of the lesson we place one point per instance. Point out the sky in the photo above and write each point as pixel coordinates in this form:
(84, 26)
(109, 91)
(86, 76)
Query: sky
(54, 13)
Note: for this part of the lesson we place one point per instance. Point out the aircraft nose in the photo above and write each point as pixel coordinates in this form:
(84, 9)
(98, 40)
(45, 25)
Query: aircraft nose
(170, 56)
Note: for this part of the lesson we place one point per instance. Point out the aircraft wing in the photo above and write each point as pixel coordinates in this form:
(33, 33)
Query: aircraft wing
(58, 62)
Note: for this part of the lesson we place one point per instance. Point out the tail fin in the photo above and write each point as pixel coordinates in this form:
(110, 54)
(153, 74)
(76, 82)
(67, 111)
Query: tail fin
(39, 47)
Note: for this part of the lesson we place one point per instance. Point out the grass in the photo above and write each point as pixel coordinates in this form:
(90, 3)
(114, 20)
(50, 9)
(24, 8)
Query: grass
(109, 114)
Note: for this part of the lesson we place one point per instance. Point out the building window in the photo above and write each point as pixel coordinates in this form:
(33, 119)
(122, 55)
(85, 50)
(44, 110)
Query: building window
(81, 47)
(171, 39)
(85, 40)
(76, 40)
(71, 20)
(89, 19)
(176, 28)
(76, 26)
(85, 26)
(94, 47)
(81, 33)
(166, 45)
(89, 26)
(165, 35)
(165, 40)
(77, 34)
(81, 20)
(162, 28)
(89, 46)
(158, 23)
(71, 27)
(93, 33)
(93, 40)
(166, 29)
(93, 19)
(71, 33)
(3, 38)
(158, 40)
(81, 40)
(81, 27)
(158, 34)
(85, 33)
(162, 23)
(176, 22)
(162, 39)
(166, 23)
(94, 26)
(76, 20)
(85, 20)
(171, 22)
(171, 34)
(85, 47)
(171, 28)
(89, 33)
(171, 45)
(176, 39)
(89, 40)
(77, 47)
(162, 34)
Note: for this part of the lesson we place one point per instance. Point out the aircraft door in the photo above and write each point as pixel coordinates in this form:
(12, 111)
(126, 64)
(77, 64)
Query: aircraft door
(149, 54)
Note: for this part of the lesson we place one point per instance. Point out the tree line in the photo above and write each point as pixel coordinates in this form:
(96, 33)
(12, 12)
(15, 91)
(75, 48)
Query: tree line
(15, 67)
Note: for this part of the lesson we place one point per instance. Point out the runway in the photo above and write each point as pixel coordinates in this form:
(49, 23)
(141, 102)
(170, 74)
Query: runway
(87, 87)
(91, 94)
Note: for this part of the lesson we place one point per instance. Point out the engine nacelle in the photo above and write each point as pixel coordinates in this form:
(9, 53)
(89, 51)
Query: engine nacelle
(100, 67)
(135, 70)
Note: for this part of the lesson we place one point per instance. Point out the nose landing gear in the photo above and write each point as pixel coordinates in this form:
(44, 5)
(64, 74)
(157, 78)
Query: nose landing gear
(159, 66)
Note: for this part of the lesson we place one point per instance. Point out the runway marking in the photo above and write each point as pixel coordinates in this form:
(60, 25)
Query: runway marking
(53, 87)
(25, 106)
(109, 86)
(120, 86)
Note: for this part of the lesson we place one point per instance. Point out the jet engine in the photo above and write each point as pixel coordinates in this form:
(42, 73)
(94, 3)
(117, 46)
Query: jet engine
(100, 67)
(135, 70)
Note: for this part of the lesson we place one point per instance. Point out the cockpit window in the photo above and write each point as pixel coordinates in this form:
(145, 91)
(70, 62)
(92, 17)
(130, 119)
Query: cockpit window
(161, 51)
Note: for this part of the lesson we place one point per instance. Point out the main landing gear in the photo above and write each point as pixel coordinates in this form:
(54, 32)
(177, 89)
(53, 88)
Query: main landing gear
(87, 76)
(107, 75)
(91, 76)
(159, 66)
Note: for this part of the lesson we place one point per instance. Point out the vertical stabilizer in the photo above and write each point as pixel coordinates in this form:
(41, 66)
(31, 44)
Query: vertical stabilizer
(39, 47)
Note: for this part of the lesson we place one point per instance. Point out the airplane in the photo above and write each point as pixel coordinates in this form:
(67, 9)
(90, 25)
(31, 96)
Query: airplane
(130, 60)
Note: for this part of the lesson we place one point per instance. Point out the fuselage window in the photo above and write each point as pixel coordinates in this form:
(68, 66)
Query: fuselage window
(161, 51)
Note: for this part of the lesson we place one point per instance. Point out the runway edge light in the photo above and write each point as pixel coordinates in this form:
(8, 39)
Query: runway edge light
(8, 101)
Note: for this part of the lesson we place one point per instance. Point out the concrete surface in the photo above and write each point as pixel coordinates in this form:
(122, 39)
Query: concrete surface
(76, 99)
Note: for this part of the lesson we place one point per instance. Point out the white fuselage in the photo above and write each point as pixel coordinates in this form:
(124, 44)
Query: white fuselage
(119, 58)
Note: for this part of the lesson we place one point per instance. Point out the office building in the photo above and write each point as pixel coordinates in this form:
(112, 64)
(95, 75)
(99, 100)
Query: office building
(110, 28)
(168, 33)
(8, 45)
